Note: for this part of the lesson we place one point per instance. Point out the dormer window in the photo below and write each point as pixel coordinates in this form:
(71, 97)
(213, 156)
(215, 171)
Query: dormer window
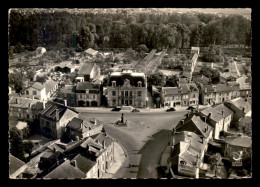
(113, 83)
(139, 84)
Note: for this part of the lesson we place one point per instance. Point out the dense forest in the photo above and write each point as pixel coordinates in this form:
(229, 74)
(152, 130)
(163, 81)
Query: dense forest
(123, 29)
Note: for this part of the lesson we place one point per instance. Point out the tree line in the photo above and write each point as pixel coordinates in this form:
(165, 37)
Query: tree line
(124, 30)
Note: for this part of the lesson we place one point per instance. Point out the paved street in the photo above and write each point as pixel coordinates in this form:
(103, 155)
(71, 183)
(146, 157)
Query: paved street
(144, 139)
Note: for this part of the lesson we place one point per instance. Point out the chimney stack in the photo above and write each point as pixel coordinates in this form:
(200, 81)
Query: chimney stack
(209, 114)
(57, 115)
(43, 104)
(204, 119)
(243, 109)
(182, 122)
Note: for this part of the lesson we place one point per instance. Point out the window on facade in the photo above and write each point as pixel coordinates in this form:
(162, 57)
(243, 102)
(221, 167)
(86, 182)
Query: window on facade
(139, 93)
(94, 97)
(122, 93)
(139, 84)
(87, 96)
(28, 116)
(20, 115)
(130, 102)
(126, 93)
(139, 102)
(114, 101)
(27, 92)
(122, 102)
(34, 93)
(113, 83)
(194, 95)
(113, 93)
(130, 93)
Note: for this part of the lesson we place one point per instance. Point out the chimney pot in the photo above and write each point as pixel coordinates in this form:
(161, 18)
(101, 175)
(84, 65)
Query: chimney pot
(57, 115)
(182, 122)
(209, 114)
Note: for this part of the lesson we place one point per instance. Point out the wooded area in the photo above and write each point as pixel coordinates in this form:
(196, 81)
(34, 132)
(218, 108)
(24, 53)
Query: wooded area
(124, 30)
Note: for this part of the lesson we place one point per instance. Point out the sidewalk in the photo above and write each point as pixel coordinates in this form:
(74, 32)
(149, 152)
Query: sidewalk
(119, 159)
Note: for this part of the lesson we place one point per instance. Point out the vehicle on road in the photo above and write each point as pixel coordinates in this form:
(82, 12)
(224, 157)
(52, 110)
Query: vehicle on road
(135, 110)
(170, 109)
(191, 108)
(116, 109)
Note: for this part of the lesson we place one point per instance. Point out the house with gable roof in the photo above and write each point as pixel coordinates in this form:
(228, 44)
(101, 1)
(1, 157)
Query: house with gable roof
(16, 167)
(193, 123)
(24, 108)
(83, 128)
(36, 91)
(88, 71)
(54, 118)
(240, 107)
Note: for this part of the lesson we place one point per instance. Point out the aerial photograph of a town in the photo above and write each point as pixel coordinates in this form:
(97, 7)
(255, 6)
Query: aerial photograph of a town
(129, 93)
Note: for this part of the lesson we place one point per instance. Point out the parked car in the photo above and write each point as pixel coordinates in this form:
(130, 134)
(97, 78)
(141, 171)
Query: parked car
(191, 108)
(135, 110)
(170, 109)
(116, 109)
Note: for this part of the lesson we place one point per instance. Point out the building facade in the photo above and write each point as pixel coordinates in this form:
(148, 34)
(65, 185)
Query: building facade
(88, 94)
(127, 88)
(54, 118)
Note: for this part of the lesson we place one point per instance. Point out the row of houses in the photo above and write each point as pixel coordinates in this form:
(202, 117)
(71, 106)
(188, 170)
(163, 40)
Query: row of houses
(89, 157)
(189, 93)
(89, 152)
(191, 136)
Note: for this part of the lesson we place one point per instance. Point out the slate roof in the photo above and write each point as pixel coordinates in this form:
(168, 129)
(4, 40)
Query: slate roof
(196, 122)
(14, 164)
(38, 86)
(86, 68)
(196, 144)
(65, 171)
(50, 110)
(87, 85)
(75, 123)
(241, 142)
(49, 84)
(201, 78)
(188, 87)
(171, 91)
(223, 88)
(102, 137)
(23, 102)
(240, 104)
(246, 119)
(215, 114)
(226, 110)
(83, 163)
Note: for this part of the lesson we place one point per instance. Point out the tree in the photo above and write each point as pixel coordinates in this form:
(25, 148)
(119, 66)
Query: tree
(41, 79)
(28, 147)
(171, 81)
(16, 144)
(16, 81)
(156, 79)
(215, 160)
(30, 75)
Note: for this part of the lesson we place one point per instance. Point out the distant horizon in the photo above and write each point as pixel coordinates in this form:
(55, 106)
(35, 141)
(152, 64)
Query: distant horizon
(246, 12)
